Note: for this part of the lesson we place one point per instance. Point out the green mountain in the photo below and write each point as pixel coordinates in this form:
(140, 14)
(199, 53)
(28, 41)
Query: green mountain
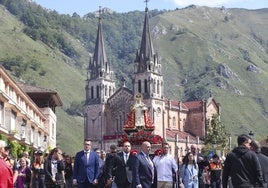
(203, 51)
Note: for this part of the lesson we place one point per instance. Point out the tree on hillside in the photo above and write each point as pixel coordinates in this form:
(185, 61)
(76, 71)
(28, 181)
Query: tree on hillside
(217, 138)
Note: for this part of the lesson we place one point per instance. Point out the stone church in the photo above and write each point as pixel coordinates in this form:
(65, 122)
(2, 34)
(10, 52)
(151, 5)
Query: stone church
(107, 107)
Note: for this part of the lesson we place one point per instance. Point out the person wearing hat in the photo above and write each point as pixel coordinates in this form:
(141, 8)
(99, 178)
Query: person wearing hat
(38, 173)
(215, 168)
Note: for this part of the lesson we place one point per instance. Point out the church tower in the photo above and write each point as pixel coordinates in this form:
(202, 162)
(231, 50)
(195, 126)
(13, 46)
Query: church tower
(148, 79)
(100, 85)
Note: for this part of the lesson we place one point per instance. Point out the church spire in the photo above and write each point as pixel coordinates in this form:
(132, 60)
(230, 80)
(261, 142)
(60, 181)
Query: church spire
(100, 77)
(148, 79)
(146, 52)
(99, 65)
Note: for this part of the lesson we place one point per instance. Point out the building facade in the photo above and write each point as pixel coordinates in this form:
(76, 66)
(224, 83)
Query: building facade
(106, 108)
(27, 113)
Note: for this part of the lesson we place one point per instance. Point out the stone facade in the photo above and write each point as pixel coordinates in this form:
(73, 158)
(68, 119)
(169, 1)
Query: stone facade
(27, 113)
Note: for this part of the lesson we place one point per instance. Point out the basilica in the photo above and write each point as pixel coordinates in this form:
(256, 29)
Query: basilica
(107, 107)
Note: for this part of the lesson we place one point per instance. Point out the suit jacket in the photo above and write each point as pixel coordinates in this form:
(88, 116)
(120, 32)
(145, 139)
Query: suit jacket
(83, 171)
(141, 172)
(48, 171)
(123, 170)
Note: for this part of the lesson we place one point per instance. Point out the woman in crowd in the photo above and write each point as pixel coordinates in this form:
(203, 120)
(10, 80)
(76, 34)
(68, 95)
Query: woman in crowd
(68, 171)
(54, 170)
(189, 172)
(24, 174)
(38, 173)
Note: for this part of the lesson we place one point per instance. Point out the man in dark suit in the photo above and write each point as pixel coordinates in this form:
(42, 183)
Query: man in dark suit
(143, 170)
(86, 167)
(123, 174)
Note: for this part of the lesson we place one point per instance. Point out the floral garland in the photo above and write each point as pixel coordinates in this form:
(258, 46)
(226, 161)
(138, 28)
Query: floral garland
(137, 138)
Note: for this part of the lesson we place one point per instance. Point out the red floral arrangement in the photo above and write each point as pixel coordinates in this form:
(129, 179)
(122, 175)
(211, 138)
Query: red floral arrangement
(137, 138)
(158, 152)
(133, 152)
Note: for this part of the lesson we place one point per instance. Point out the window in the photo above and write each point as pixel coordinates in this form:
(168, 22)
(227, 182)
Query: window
(139, 86)
(174, 122)
(32, 135)
(1, 113)
(158, 87)
(92, 92)
(145, 86)
(13, 121)
(105, 91)
(98, 92)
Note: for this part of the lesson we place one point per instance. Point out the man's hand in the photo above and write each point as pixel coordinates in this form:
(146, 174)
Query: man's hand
(109, 182)
(95, 182)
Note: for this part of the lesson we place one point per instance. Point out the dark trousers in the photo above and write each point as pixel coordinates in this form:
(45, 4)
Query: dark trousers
(86, 184)
(123, 185)
(216, 183)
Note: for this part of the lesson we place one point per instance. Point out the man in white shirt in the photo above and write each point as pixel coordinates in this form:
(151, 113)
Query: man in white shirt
(165, 166)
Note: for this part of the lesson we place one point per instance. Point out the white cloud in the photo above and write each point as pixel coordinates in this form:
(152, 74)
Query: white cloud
(210, 3)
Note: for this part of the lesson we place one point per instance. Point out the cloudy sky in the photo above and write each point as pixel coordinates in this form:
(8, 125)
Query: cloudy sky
(83, 7)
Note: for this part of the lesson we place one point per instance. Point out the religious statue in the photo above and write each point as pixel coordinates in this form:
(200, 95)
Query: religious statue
(138, 119)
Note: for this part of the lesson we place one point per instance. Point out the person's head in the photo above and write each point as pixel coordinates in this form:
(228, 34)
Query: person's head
(23, 162)
(165, 148)
(38, 158)
(255, 146)
(68, 159)
(25, 154)
(194, 149)
(103, 154)
(56, 154)
(189, 158)
(113, 148)
(87, 144)
(7, 151)
(215, 158)
(97, 150)
(244, 140)
(126, 147)
(146, 147)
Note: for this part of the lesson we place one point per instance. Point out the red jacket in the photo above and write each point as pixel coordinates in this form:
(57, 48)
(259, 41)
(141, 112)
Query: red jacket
(6, 175)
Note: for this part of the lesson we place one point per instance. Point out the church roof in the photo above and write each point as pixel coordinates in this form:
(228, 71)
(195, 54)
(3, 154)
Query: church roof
(170, 135)
(193, 104)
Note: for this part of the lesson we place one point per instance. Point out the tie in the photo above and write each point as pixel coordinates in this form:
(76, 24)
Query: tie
(126, 157)
(151, 165)
(87, 156)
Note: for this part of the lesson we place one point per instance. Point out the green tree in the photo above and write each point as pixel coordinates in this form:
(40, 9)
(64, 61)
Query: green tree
(217, 137)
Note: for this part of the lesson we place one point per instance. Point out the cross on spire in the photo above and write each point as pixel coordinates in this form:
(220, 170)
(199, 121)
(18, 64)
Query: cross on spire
(100, 11)
(146, 2)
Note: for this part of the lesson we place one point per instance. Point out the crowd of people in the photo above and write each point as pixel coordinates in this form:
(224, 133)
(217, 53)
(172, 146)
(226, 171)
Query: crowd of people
(244, 166)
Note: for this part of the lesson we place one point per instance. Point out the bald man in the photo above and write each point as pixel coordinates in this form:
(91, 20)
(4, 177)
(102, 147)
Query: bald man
(143, 171)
